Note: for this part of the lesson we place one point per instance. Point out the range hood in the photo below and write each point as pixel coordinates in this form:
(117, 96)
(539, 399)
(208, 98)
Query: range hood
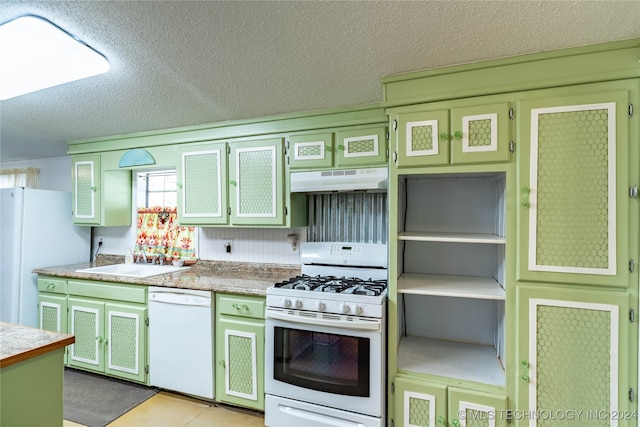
(371, 179)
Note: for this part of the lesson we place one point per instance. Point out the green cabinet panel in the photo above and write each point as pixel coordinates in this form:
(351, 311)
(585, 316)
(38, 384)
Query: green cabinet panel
(362, 146)
(573, 188)
(256, 178)
(100, 198)
(419, 403)
(126, 341)
(314, 150)
(86, 322)
(240, 353)
(429, 136)
(573, 351)
(202, 189)
(52, 311)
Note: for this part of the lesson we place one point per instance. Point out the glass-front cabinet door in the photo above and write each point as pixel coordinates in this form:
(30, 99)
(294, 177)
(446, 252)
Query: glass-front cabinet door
(202, 186)
(256, 177)
(573, 189)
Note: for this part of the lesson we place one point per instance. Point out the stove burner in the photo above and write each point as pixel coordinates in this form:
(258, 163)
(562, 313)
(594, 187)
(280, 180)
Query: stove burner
(343, 285)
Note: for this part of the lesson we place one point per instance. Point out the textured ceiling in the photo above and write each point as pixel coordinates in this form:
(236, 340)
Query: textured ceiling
(179, 63)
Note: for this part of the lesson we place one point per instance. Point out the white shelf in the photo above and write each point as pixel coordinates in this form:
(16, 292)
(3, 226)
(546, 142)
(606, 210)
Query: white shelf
(450, 286)
(467, 362)
(428, 236)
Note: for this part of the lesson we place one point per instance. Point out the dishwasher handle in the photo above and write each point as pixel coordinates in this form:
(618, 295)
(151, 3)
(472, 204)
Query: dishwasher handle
(179, 299)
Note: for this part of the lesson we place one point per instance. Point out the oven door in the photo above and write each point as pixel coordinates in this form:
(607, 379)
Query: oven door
(332, 365)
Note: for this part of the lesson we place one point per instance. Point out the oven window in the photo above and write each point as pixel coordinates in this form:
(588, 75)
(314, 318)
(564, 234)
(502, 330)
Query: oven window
(331, 363)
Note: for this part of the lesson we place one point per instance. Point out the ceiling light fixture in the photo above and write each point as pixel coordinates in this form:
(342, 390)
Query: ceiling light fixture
(36, 54)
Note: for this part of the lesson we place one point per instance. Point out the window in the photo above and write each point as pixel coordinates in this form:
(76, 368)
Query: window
(157, 188)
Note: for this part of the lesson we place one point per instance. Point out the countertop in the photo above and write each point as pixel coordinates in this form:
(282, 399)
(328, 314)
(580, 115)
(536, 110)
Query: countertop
(19, 343)
(218, 276)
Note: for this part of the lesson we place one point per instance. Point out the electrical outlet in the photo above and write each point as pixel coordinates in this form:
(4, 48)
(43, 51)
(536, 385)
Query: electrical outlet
(227, 244)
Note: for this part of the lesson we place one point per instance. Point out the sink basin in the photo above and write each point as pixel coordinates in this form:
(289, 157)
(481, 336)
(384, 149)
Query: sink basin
(133, 270)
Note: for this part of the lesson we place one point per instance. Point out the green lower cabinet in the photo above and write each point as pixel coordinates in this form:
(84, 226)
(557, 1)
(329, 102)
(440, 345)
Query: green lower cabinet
(110, 337)
(574, 357)
(240, 334)
(418, 403)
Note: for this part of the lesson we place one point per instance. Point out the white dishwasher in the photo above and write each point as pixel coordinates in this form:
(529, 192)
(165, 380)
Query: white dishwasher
(181, 340)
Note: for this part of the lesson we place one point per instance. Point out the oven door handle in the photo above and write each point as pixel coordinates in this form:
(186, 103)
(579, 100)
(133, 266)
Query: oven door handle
(343, 324)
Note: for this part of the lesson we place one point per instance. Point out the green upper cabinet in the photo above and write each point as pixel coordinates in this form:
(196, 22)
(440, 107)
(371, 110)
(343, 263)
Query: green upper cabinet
(361, 146)
(573, 187)
(256, 182)
(86, 190)
(313, 150)
(100, 198)
(429, 136)
(202, 186)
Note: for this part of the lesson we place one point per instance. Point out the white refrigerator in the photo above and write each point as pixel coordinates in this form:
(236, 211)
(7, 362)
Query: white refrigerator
(35, 231)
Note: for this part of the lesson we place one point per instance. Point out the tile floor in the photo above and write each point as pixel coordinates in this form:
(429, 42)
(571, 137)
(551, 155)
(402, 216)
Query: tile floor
(167, 409)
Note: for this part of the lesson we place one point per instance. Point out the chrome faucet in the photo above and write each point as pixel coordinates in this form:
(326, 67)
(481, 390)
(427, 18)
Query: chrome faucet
(160, 258)
(144, 256)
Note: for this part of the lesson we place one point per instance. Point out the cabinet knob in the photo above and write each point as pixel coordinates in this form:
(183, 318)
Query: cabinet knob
(526, 191)
(221, 363)
(94, 188)
(444, 136)
(455, 423)
(232, 182)
(341, 147)
(525, 378)
(440, 420)
(525, 363)
(328, 148)
(241, 306)
(457, 134)
(179, 184)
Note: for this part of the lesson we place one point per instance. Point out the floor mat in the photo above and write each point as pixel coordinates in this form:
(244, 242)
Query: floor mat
(95, 400)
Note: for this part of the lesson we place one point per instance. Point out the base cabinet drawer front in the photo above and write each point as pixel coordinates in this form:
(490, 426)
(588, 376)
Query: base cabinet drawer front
(419, 403)
(52, 285)
(241, 306)
(574, 353)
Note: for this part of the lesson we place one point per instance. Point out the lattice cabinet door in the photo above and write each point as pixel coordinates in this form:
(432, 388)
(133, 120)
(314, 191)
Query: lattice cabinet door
(574, 189)
(366, 146)
(256, 182)
(310, 150)
(86, 322)
(202, 189)
(574, 357)
(469, 408)
(240, 355)
(480, 134)
(126, 341)
(419, 404)
(52, 312)
(422, 138)
(86, 189)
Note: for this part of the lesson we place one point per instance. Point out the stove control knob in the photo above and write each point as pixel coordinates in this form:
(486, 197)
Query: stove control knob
(344, 308)
(297, 303)
(321, 306)
(357, 309)
(286, 302)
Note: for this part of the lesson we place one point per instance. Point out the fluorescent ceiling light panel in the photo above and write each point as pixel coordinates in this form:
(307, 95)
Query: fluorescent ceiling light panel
(35, 54)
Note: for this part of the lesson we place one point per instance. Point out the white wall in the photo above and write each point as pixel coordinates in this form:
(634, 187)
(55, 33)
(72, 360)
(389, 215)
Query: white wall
(248, 244)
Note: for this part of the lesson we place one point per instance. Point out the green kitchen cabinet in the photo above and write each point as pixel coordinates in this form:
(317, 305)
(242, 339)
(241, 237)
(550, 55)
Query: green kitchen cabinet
(419, 403)
(361, 146)
(574, 186)
(240, 335)
(202, 185)
(429, 135)
(99, 198)
(574, 353)
(311, 150)
(256, 182)
(110, 326)
(52, 304)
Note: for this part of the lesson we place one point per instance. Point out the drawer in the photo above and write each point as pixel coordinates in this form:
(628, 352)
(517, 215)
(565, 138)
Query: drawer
(102, 290)
(49, 284)
(241, 306)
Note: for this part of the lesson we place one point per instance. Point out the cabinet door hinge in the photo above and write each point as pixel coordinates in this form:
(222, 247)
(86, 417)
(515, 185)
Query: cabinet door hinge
(393, 387)
(630, 110)
(229, 210)
(395, 157)
(228, 150)
(632, 265)
(146, 321)
(632, 395)
(146, 369)
(632, 315)
(511, 115)
(286, 211)
(633, 192)
(393, 423)
(395, 125)
(512, 146)
(286, 144)
(387, 135)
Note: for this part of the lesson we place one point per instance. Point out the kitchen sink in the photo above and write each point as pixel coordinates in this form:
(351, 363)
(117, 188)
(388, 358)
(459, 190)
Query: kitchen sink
(133, 270)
